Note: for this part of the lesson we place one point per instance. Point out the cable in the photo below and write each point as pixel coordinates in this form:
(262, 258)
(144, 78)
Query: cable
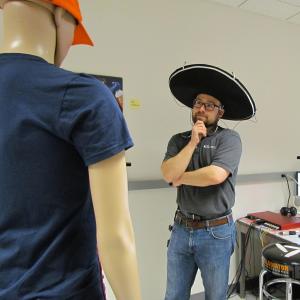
(286, 178)
(262, 234)
(235, 281)
(248, 238)
(236, 125)
(292, 178)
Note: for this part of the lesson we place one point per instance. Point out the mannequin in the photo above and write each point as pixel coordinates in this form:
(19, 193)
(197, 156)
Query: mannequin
(107, 176)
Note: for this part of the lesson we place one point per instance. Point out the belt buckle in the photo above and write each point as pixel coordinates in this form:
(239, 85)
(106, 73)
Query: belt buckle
(206, 222)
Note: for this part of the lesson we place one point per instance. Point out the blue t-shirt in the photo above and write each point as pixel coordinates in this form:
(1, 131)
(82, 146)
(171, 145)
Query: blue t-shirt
(53, 124)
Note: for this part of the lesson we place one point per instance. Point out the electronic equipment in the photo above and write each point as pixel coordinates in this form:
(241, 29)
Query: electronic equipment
(276, 219)
(271, 226)
(286, 211)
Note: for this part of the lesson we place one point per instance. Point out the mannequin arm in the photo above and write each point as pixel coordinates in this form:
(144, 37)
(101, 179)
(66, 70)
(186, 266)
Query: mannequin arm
(115, 236)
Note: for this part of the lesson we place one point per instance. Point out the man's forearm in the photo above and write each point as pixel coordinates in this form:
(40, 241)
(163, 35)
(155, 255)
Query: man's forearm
(174, 167)
(206, 176)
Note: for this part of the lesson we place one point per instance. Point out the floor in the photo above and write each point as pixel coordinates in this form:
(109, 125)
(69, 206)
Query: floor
(248, 297)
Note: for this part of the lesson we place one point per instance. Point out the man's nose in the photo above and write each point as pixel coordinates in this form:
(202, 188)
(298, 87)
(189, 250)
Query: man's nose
(201, 108)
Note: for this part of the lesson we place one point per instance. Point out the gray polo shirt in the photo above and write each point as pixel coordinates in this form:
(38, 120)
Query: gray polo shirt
(223, 149)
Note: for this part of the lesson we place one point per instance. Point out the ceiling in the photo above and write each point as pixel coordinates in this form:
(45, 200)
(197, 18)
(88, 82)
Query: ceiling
(286, 10)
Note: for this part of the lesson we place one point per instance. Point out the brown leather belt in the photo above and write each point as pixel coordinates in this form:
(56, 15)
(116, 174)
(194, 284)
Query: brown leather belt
(181, 219)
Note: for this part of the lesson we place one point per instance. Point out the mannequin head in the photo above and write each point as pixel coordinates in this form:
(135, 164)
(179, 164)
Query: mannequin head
(59, 25)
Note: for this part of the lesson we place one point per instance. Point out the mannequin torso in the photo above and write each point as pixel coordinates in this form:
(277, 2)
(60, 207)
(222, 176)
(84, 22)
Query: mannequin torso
(39, 100)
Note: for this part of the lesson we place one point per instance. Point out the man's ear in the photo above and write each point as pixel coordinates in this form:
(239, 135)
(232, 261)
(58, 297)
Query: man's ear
(65, 28)
(221, 113)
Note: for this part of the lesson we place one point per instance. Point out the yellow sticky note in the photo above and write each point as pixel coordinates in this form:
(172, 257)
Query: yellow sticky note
(134, 103)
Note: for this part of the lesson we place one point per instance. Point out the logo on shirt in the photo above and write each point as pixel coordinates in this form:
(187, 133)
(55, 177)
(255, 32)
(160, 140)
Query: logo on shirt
(209, 147)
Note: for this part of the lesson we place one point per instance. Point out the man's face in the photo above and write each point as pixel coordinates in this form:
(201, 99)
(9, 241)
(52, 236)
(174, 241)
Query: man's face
(208, 109)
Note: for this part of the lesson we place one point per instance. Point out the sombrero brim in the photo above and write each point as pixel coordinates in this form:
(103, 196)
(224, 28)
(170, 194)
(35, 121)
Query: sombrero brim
(189, 81)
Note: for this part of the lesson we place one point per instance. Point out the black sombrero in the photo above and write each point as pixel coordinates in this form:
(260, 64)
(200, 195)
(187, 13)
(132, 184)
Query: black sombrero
(189, 81)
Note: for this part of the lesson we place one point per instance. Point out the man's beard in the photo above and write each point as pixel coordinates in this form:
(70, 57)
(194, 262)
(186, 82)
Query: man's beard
(210, 126)
(197, 117)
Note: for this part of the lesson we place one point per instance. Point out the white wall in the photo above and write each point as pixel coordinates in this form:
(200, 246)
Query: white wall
(143, 42)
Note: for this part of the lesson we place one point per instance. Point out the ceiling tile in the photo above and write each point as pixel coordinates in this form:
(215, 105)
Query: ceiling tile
(295, 19)
(230, 2)
(291, 2)
(273, 8)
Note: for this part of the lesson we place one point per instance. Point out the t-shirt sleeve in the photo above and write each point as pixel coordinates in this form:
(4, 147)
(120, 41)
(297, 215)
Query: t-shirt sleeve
(92, 121)
(173, 148)
(228, 152)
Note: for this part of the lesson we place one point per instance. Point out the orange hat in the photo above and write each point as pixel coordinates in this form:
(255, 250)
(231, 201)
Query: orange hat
(72, 6)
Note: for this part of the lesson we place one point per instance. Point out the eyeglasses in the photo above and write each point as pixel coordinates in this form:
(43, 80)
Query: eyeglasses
(207, 105)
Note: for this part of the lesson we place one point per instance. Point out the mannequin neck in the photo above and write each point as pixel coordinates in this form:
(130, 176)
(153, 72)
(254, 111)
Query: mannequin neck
(29, 28)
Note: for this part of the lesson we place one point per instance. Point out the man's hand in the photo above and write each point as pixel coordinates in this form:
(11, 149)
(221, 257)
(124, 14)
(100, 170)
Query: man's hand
(198, 132)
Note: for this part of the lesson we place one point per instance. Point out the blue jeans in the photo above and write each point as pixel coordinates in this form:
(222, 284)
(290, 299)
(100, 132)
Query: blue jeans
(208, 249)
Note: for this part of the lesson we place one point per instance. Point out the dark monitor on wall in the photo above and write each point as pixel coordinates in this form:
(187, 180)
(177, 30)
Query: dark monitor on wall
(115, 84)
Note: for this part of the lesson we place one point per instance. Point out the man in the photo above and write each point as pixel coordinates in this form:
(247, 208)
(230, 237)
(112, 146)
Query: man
(62, 140)
(202, 164)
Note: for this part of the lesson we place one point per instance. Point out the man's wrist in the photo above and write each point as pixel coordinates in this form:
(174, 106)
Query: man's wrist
(192, 144)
